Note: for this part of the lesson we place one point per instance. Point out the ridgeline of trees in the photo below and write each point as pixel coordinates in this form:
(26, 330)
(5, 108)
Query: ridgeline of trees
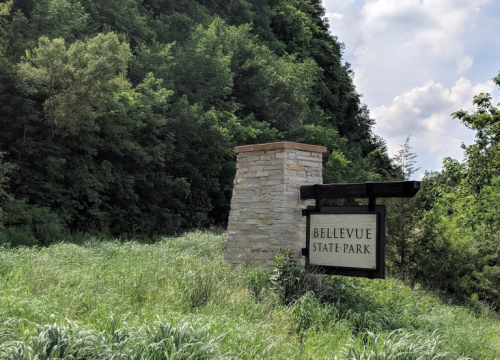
(120, 117)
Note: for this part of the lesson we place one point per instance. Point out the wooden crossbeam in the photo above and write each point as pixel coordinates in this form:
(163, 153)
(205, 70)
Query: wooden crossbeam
(406, 189)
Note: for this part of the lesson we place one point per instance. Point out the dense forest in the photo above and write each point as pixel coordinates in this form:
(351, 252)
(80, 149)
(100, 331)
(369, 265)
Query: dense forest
(120, 118)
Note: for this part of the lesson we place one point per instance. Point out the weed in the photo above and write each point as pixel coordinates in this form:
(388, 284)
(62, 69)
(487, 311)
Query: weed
(399, 345)
(151, 341)
(289, 280)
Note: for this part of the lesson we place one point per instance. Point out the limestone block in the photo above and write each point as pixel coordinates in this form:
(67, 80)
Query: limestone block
(277, 172)
(307, 163)
(260, 162)
(298, 178)
(308, 158)
(274, 182)
(296, 167)
(257, 167)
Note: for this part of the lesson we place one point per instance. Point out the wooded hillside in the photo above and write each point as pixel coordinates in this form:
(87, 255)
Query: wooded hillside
(121, 116)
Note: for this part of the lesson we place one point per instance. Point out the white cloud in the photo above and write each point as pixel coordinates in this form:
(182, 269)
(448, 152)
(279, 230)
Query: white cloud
(405, 41)
(395, 46)
(425, 113)
(434, 27)
(346, 26)
(337, 16)
(465, 63)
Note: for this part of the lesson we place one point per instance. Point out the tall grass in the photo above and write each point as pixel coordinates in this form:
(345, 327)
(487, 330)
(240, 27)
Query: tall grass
(150, 341)
(176, 299)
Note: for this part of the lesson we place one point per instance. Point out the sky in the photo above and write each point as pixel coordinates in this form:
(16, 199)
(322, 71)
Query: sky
(415, 63)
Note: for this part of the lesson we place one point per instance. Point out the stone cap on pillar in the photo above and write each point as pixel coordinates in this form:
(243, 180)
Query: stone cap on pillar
(279, 146)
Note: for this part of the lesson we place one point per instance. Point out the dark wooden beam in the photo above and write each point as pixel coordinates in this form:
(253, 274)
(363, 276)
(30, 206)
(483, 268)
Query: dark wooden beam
(362, 190)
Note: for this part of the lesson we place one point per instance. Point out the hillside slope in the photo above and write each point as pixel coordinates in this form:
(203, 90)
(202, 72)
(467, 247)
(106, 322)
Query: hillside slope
(106, 299)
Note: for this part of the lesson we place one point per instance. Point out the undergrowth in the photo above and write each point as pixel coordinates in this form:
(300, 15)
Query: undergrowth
(176, 299)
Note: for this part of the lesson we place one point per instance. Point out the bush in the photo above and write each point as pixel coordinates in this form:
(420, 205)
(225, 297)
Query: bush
(28, 225)
(17, 236)
(290, 281)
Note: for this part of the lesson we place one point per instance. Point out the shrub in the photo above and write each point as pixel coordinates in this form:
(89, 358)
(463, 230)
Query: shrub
(28, 224)
(17, 236)
(290, 281)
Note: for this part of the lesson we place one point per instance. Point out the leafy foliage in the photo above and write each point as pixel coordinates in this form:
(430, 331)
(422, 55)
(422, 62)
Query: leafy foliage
(402, 216)
(453, 243)
(79, 84)
(286, 276)
(121, 117)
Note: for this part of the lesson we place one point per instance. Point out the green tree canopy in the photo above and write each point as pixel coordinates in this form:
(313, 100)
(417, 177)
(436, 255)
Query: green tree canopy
(121, 116)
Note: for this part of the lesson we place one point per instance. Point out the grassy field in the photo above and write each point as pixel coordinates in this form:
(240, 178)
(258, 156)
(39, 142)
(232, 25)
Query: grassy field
(175, 299)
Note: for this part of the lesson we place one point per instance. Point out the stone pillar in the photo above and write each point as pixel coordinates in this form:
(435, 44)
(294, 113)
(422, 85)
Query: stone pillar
(266, 211)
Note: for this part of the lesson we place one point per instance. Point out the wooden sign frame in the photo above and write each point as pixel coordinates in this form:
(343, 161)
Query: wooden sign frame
(379, 271)
(370, 190)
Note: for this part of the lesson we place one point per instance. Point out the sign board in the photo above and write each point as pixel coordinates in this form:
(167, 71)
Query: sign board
(347, 241)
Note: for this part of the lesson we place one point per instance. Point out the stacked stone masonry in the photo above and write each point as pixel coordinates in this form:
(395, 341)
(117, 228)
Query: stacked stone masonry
(266, 211)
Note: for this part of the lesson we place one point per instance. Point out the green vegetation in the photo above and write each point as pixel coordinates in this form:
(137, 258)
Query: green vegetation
(448, 236)
(174, 299)
(121, 117)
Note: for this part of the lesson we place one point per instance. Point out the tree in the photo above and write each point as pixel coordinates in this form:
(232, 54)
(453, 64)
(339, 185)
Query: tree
(458, 236)
(79, 83)
(5, 169)
(83, 94)
(402, 217)
(482, 159)
(64, 19)
(122, 116)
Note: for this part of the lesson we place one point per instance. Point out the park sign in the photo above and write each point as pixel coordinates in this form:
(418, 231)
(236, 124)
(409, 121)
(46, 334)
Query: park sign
(349, 240)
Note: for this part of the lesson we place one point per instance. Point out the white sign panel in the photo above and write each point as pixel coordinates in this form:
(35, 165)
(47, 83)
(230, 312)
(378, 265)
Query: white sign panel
(346, 240)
